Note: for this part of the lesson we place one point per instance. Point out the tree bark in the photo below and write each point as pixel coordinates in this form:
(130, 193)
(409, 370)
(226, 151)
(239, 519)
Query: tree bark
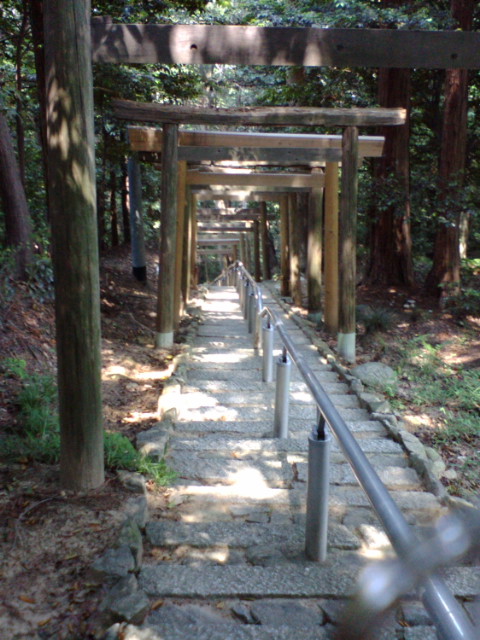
(17, 217)
(445, 271)
(390, 237)
(71, 170)
(36, 21)
(125, 211)
(113, 209)
(19, 87)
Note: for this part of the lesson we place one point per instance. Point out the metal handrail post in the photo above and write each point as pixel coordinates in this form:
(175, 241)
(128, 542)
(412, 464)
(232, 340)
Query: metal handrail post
(282, 396)
(257, 337)
(241, 291)
(267, 349)
(251, 312)
(318, 485)
(247, 286)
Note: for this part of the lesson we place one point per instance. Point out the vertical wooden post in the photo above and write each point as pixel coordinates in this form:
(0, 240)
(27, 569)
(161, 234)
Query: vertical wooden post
(205, 263)
(168, 234)
(187, 248)
(256, 250)
(347, 244)
(331, 247)
(193, 250)
(181, 202)
(248, 244)
(267, 272)
(139, 263)
(314, 250)
(243, 249)
(284, 247)
(294, 250)
(72, 200)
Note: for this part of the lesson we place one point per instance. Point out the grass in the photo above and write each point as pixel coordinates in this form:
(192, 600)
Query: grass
(38, 434)
(454, 393)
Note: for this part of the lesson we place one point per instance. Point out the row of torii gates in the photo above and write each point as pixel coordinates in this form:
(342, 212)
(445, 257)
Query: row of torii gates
(72, 43)
(309, 164)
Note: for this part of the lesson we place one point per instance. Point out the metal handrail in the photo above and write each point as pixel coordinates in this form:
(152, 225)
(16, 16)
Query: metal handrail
(446, 613)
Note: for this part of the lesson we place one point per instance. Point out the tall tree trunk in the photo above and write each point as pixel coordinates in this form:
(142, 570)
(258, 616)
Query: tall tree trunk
(71, 160)
(101, 188)
(17, 216)
(19, 87)
(125, 209)
(390, 238)
(445, 270)
(36, 22)
(113, 208)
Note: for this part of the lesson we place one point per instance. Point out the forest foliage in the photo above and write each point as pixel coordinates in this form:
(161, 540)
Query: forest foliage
(432, 204)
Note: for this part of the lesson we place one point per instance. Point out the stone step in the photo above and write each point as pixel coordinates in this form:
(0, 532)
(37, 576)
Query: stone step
(308, 413)
(155, 630)
(259, 393)
(240, 374)
(275, 472)
(235, 330)
(204, 502)
(248, 446)
(356, 419)
(259, 399)
(286, 540)
(288, 580)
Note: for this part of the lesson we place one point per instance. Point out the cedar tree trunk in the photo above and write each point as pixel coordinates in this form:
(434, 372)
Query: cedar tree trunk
(17, 216)
(446, 256)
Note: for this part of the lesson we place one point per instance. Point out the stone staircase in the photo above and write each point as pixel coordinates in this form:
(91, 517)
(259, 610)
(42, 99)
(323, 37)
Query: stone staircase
(227, 560)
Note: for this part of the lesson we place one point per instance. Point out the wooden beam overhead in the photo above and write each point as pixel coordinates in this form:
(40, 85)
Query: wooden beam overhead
(215, 251)
(257, 116)
(217, 240)
(244, 155)
(251, 194)
(204, 216)
(202, 228)
(228, 211)
(250, 45)
(150, 139)
(198, 178)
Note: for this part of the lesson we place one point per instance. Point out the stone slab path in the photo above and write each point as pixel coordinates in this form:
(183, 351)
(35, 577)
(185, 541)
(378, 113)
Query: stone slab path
(228, 562)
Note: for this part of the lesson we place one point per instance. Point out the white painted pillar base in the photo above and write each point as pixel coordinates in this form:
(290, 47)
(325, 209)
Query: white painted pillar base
(346, 346)
(164, 340)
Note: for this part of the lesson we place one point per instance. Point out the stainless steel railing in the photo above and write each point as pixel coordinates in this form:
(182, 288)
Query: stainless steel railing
(446, 613)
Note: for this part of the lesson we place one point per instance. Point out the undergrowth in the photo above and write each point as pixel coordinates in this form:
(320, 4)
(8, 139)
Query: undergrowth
(454, 393)
(37, 435)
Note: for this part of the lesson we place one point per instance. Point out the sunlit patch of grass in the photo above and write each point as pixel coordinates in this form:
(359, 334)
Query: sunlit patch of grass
(38, 437)
(453, 395)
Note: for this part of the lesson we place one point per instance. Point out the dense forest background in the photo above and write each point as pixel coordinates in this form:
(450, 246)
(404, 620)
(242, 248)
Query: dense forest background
(419, 205)
(418, 268)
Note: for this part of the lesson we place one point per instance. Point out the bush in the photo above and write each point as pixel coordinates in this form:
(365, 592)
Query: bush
(374, 319)
(39, 439)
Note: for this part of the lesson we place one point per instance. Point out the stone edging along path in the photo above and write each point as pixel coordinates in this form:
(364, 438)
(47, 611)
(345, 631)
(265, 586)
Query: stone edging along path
(127, 601)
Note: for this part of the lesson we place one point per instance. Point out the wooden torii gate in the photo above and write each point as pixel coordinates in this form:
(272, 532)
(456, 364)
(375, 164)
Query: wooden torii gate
(71, 44)
(308, 151)
(350, 119)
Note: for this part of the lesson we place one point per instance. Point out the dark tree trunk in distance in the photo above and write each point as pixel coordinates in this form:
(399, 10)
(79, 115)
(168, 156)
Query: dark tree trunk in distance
(17, 216)
(125, 209)
(36, 22)
(446, 256)
(390, 238)
(113, 208)
(19, 86)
